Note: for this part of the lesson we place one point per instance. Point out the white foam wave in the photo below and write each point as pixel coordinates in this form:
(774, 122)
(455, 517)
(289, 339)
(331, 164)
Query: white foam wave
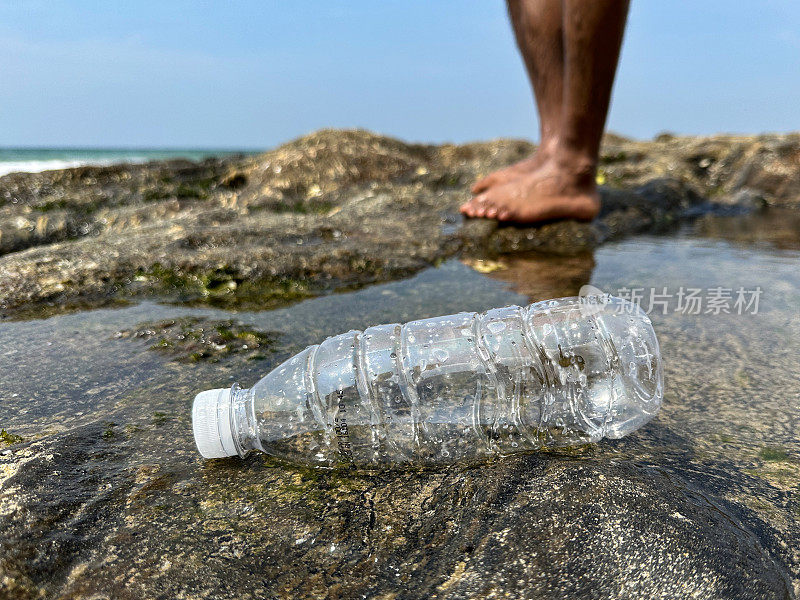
(37, 166)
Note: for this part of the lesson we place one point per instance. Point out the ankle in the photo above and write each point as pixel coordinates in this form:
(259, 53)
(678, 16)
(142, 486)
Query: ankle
(580, 164)
(548, 146)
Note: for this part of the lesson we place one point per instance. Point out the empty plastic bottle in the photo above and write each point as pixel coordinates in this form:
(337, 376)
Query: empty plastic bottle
(454, 388)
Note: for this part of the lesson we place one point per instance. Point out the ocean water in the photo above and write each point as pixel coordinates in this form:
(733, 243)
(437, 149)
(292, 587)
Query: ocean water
(34, 160)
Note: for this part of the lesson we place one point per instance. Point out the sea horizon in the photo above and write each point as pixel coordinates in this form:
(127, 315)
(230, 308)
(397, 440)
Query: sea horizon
(35, 159)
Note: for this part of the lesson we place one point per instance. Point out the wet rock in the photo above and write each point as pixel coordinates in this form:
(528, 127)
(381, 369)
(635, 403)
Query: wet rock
(334, 209)
(749, 198)
(119, 524)
(195, 339)
(560, 238)
(42, 208)
(106, 495)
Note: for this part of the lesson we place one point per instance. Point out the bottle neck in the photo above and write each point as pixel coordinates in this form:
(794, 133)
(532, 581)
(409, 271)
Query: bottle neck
(243, 420)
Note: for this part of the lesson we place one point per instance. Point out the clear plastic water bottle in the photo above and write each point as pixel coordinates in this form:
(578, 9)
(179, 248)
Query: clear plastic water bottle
(456, 388)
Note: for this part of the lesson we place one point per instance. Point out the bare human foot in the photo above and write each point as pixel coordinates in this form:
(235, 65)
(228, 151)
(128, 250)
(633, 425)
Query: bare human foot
(526, 165)
(559, 189)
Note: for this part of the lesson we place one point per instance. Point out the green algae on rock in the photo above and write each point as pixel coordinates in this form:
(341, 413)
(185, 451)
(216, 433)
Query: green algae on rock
(192, 339)
(9, 438)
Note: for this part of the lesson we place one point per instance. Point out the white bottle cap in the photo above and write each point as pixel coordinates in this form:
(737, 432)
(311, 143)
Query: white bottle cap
(211, 422)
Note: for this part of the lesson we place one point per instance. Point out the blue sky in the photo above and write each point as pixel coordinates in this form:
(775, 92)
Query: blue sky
(250, 73)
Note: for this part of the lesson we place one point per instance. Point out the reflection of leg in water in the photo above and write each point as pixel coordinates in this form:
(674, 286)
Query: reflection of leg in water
(540, 277)
(570, 49)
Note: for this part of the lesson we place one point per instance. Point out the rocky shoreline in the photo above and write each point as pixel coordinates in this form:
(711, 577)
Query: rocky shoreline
(336, 209)
(102, 491)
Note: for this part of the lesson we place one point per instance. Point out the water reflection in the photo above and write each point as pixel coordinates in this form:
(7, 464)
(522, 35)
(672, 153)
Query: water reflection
(777, 228)
(539, 276)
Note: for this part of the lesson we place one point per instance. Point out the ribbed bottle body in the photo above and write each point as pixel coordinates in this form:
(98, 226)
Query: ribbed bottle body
(463, 387)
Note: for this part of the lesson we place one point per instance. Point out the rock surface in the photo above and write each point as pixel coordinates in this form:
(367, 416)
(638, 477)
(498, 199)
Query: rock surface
(102, 492)
(534, 526)
(334, 209)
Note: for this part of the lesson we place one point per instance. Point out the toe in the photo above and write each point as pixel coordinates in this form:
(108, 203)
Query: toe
(480, 203)
(491, 212)
(472, 208)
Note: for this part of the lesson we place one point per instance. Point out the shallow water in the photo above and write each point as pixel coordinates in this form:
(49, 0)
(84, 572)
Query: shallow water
(728, 430)
(56, 372)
